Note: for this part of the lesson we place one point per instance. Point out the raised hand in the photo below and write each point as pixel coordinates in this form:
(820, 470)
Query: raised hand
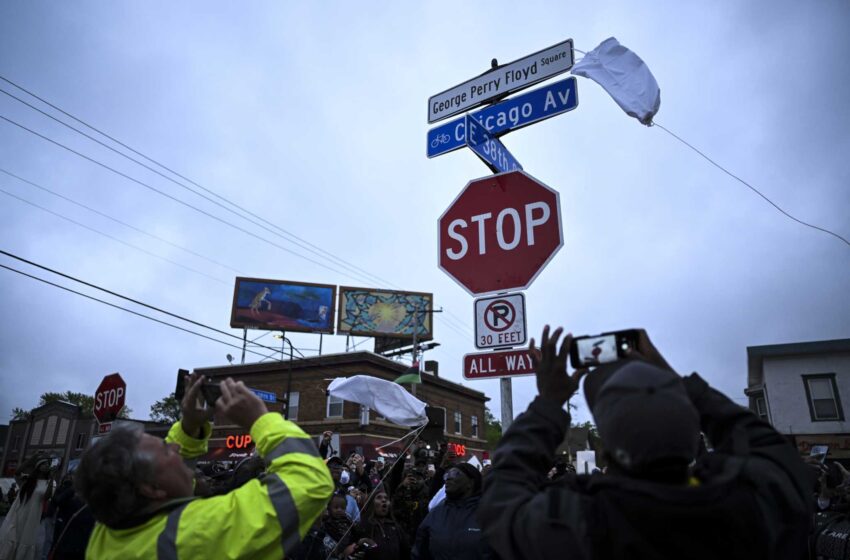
(550, 364)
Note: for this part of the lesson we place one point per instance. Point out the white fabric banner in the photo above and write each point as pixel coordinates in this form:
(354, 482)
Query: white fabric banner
(624, 76)
(389, 399)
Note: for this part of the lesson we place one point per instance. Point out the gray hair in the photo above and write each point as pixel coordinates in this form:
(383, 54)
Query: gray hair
(110, 473)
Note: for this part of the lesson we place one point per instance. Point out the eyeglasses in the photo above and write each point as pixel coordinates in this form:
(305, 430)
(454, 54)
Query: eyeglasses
(454, 473)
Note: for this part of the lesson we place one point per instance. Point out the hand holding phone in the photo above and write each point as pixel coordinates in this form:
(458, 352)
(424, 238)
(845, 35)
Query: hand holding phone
(603, 348)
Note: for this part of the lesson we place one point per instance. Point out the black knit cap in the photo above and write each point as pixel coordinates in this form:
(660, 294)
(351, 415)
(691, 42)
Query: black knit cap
(472, 473)
(643, 414)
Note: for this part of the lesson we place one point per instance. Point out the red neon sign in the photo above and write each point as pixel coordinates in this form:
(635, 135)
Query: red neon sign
(459, 449)
(237, 442)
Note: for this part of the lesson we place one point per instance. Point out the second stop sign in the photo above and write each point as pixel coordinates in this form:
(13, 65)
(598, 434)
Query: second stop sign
(500, 232)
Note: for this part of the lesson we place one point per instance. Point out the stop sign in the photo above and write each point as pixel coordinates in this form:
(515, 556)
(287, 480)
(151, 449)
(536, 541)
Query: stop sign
(109, 398)
(500, 232)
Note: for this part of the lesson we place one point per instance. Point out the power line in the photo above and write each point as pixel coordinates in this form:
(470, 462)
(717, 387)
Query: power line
(127, 298)
(752, 188)
(117, 221)
(300, 241)
(127, 310)
(175, 199)
(125, 243)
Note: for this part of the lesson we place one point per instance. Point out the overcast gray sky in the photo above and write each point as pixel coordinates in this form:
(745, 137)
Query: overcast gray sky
(313, 116)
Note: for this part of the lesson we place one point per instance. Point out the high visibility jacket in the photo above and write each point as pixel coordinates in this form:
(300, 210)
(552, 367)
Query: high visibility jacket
(265, 518)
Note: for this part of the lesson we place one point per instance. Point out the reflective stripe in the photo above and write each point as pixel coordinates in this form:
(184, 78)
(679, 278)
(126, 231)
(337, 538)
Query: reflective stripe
(293, 445)
(166, 544)
(287, 513)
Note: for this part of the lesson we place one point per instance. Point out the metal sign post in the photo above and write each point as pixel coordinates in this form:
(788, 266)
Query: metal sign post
(507, 403)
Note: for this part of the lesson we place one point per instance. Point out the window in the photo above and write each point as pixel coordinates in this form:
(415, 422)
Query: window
(761, 408)
(36, 432)
(49, 430)
(334, 407)
(81, 441)
(474, 426)
(822, 394)
(294, 399)
(62, 434)
(458, 422)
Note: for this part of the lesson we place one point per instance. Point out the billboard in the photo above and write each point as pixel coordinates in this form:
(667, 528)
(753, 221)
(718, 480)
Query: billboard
(384, 313)
(279, 305)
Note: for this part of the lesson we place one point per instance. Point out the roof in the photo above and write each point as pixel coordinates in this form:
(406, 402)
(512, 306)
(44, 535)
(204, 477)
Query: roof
(757, 354)
(338, 359)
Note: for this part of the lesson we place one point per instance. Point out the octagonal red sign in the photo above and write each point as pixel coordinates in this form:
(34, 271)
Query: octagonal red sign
(109, 398)
(500, 232)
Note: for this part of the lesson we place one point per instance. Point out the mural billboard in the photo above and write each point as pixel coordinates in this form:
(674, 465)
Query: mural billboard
(384, 313)
(279, 305)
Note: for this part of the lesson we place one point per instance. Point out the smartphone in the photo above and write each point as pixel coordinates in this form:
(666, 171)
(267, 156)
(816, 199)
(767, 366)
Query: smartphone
(602, 348)
(819, 451)
(211, 390)
(180, 389)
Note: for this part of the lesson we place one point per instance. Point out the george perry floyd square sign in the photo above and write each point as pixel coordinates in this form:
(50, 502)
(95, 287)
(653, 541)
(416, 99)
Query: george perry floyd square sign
(501, 81)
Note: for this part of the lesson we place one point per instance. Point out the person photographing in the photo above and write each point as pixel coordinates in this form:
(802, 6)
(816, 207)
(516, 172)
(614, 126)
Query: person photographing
(750, 498)
(140, 491)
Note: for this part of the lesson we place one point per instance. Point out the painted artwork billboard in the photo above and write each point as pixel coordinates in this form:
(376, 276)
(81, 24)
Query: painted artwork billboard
(385, 313)
(280, 305)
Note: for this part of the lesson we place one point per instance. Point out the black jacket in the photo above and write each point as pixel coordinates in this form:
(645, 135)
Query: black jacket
(751, 502)
(450, 531)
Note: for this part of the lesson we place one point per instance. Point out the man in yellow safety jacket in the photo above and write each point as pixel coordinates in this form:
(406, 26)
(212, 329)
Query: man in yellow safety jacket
(140, 490)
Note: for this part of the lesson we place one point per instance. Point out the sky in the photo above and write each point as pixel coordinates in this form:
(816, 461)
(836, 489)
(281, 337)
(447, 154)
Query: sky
(313, 116)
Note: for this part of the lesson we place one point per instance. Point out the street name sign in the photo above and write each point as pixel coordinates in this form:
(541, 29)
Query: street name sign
(266, 396)
(501, 363)
(501, 81)
(499, 233)
(109, 398)
(506, 116)
(500, 321)
(490, 149)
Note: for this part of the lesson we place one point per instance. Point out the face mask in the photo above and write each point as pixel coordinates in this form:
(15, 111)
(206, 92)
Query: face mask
(344, 477)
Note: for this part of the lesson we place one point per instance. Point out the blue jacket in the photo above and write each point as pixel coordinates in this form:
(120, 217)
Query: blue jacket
(451, 531)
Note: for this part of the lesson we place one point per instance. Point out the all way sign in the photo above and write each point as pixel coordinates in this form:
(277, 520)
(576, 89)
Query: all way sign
(507, 116)
(506, 363)
(502, 81)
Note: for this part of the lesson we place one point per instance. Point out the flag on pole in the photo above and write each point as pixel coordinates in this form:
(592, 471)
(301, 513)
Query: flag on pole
(411, 374)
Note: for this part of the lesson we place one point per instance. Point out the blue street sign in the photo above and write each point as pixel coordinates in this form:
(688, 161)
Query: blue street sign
(509, 115)
(265, 395)
(491, 151)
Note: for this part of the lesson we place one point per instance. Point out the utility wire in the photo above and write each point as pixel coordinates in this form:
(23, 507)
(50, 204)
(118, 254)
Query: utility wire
(113, 238)
(137, 302)
(175, 199)
(752, 188)
(298, 240)
(117, 221)
(127, 310)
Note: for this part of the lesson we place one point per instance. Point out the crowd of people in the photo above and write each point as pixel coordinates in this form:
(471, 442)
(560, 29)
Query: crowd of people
(685, 473)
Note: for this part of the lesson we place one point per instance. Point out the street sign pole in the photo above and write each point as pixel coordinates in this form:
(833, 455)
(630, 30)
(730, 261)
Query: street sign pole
(507, 403)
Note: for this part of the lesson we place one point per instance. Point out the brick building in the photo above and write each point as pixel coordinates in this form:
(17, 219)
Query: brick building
(58, 428)
(354, 429)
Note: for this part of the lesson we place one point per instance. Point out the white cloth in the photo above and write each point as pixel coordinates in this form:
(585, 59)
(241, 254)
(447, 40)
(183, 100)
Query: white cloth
(438, 498)
(624, 76)
(19, 535)
(389, 399)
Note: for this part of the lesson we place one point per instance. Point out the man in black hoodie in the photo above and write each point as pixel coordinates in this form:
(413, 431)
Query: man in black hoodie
(749, 499)
(450, 531)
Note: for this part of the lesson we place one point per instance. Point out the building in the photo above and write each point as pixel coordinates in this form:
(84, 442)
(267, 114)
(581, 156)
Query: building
(354, 429)
(59, 429)
(802, 389)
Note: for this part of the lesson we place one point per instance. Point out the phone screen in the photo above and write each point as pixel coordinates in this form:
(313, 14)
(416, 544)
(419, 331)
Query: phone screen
(820, 452)
(597, 350)
(211, 392)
